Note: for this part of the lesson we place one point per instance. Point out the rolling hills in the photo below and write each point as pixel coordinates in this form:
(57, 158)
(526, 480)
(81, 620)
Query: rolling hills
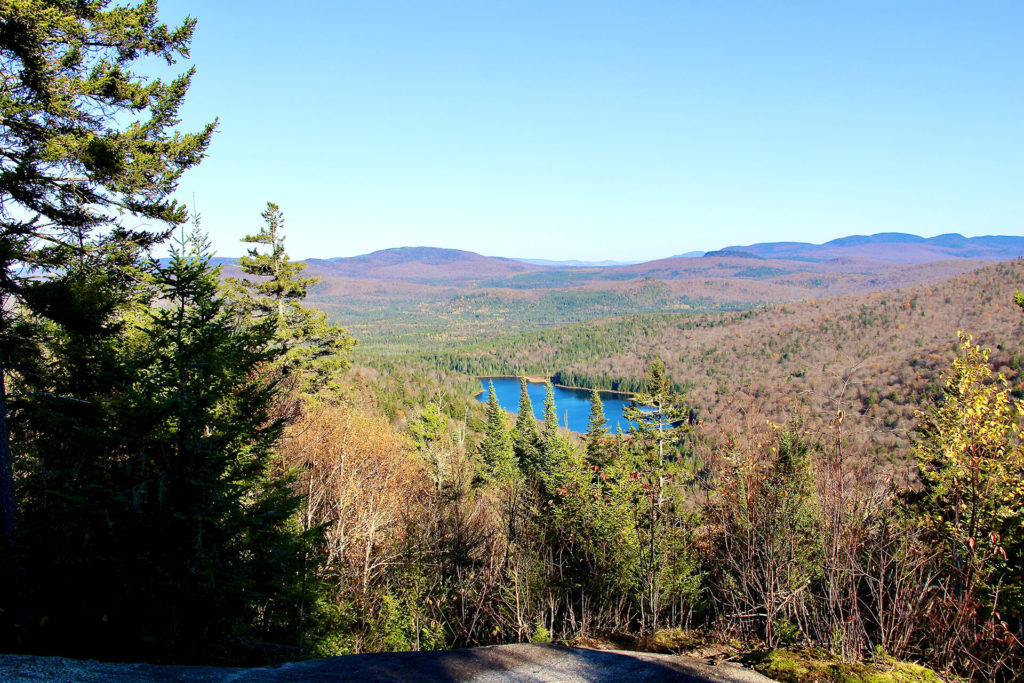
(773, 330)
(401, 300)
(877, 355)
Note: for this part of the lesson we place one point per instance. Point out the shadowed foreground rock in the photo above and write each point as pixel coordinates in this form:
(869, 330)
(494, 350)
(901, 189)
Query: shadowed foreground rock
(498, 663)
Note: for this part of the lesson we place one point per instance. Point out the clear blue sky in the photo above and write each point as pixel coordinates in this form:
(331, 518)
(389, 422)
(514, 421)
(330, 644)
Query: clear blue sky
(592, 130)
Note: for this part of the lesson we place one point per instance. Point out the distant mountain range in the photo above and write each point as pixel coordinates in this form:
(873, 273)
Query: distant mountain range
(891, 247)
(895, 247)
(436, 264)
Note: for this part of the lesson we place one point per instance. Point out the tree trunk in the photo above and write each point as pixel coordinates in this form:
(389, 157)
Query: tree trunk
(11, 597)
(7, 502)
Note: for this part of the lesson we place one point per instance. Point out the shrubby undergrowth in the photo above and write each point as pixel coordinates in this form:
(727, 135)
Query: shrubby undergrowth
(771, 535)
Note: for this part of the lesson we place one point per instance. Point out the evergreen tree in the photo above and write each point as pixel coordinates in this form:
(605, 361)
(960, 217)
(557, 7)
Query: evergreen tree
(550, 435)
(308, 344)
(87, 144)
(585, 529)
(525, 439)
(496, 450)
(596, 430)
(658, 415)
(177, 540)
(228, 548)
(659, 420)
(66, 423)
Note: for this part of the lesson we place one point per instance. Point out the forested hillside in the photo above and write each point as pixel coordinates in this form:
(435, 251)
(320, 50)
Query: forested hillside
(880, 353)
(418, 303)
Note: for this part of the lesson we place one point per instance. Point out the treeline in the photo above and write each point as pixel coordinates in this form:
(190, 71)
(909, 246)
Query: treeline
(629, 385)
(566, 351)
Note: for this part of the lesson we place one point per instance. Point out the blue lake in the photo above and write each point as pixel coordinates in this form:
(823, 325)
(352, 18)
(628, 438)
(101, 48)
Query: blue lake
(571, 405)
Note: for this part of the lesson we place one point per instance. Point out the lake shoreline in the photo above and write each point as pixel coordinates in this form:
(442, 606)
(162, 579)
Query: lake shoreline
(532, 379)
(600, 391)
(541, 379)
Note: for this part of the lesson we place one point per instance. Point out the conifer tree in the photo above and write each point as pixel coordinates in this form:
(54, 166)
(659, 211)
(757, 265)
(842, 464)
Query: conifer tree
(88, 145)
(659, 420)
(226, 546)
(67, 423)
(525, 439)
(551, 445)
(308, 344)
(496, 450)
(550, 434)
(176, 541)
(657, 413)
(283, 283)
(596, 430)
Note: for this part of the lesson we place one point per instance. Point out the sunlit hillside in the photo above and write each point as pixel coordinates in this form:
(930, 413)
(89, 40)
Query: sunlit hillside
(886, 347)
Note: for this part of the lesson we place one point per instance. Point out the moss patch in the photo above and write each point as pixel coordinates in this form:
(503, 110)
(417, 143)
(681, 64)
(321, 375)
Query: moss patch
(808, 667)
(665, 641)
(673, 640)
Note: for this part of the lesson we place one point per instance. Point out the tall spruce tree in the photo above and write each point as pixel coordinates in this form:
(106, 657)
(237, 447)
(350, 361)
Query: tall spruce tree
(658, 414)
(88, 149)
(597, 430)
(525, 439)
(220, 541)
(659, 421)
(496, 449)
(308, 344)
(550, 434)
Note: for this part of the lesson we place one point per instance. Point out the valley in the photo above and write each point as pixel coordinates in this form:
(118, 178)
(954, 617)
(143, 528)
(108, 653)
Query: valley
(741, 335)
(416, 298)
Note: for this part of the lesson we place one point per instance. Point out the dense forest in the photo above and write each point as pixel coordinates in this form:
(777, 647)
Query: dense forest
(196, 466)
(881, 354)
(418, 300)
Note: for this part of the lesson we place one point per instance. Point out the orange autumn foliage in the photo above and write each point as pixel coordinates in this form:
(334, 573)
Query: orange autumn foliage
(362, 481)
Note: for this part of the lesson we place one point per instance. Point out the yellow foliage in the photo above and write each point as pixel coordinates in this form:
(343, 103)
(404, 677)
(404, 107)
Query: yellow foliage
(971, 460)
